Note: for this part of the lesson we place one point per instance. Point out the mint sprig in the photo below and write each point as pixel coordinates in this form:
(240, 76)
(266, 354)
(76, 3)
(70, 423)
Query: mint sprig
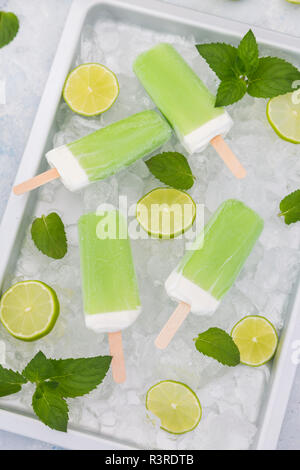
(39, 369)
(9, 26)
(55, 381)
(219, 345)
(172, 169)
(241, 71)
(272, 77)
(229, 91)
(50, 407)
(290, 208)
(75, 377)
(10, 382)
(221, 58)
(49, 236)
(247, 55)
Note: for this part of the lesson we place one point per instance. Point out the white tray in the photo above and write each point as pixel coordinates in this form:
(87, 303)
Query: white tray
(165, 18)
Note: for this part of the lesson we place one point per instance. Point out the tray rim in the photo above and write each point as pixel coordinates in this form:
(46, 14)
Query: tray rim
(12, 421)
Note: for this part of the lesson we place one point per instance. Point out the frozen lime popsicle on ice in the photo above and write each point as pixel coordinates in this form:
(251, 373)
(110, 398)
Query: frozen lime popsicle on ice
(109, 285)
(104, 152)
(208, 271)
(186, 102)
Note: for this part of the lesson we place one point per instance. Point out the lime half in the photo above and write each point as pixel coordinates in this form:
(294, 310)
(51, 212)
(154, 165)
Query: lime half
(256, 339)
(91, 89)
(176, 405)
(29, 310)
(166, 212)
(283, 113)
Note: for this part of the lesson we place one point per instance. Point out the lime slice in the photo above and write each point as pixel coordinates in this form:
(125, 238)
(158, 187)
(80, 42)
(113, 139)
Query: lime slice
(29, 310)
(166, 212)
(283, 113)
(294, 1)
(256, 339)
(91, 89)
(176, 405)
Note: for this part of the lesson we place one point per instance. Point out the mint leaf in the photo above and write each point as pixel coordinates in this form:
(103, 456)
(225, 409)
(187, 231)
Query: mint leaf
(230, 91)
(48, 234)
(248, 54)
(273, 77)
(172, 168)
(241, 70)
(9, 26)
(290, 208)
(221, 58)
(39, 368)
(74, 377)
(10, 382)
(77, 377)
(50, 407)
(219, 345)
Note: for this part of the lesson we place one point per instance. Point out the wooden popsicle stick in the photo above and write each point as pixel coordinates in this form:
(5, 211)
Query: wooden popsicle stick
(118, 361)
(228, 157)
(172, 326)
(36, 182)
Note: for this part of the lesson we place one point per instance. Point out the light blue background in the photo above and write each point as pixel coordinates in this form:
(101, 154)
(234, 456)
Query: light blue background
(24, 67)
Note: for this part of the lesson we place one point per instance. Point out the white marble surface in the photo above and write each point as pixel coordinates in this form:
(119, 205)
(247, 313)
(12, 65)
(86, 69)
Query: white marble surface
(24, 66)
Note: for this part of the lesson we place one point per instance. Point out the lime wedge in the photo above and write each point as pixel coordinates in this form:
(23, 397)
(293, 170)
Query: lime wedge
(294, 1)
(91, 89)
(256, 339)
(166, 212)
(176, 405)
(283, 113)
(29, 310)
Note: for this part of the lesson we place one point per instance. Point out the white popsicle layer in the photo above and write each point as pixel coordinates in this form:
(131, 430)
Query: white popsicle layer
(112, 321)
(197, 140)
(72, 175)
(181, 289)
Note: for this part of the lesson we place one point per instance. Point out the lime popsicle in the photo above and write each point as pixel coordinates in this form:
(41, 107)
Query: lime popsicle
(207, 272)
(186, 102)
(109, 285)
(104, 152)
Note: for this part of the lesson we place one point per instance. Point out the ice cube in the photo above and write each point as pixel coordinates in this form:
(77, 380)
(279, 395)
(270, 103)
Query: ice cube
(72, 235)
(227, 431)
(250, 390)
(2, 353)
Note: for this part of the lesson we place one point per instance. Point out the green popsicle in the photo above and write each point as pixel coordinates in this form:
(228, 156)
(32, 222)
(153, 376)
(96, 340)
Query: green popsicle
(109, 284)
(181, 96)
(109, 150)
(208, 271)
